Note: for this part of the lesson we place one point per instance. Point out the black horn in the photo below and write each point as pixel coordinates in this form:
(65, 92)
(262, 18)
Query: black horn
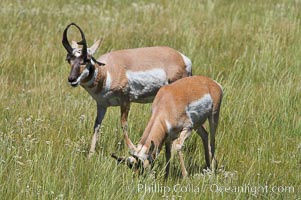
(82, 42)
(65, 40)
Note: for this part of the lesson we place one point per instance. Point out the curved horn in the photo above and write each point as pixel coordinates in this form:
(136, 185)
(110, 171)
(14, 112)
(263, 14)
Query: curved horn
(82, 42)
(65, 40)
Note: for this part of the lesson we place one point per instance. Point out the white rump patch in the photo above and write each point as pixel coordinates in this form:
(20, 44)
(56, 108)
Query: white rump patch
(188, 64)
(198, 110)
(142, 84)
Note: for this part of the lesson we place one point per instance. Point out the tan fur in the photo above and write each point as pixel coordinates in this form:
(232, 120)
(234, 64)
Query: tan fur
(142, 59)
(116, 64)
(170, 105)
(171, 101)
(106, 79)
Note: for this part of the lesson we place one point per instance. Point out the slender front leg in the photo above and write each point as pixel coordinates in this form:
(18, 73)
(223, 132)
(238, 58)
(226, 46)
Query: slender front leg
(101, 111)
(178, 146)
(124, 109)
(167, 156)
(181, 157)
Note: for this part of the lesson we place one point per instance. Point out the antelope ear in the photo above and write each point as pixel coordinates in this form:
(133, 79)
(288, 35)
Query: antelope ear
(120, 160)
(151, 148)
(94, 47)
(150, 159)
(74, 45)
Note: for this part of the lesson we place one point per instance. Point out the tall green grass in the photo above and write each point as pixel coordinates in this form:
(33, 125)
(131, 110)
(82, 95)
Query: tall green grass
(252, 48)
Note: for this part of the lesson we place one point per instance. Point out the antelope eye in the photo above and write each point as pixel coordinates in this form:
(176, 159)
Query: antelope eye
(68, 59)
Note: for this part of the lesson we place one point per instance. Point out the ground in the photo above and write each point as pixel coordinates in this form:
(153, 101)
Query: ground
(252, 48)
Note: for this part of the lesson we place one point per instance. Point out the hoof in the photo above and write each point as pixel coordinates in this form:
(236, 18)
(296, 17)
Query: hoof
(91, 154)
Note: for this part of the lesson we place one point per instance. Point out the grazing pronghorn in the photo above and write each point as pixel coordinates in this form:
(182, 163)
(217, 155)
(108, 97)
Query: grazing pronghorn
(177, 109)
(121, 77)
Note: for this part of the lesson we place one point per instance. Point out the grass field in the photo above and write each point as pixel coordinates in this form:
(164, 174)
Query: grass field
(253, 48)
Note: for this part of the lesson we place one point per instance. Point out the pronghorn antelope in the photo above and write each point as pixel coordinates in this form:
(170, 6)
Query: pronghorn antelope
(177, 109)
(120, 77)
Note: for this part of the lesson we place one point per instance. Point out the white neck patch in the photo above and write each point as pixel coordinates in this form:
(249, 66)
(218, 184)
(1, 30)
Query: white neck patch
(92, 79)
(142, 153)
(108, 82)
(83, 75)
(168, 126)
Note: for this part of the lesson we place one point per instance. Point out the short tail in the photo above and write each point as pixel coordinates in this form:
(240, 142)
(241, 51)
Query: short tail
(188, 65)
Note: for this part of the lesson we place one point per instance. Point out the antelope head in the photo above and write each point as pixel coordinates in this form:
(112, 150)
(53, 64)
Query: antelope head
(139, 160)
(81, 60)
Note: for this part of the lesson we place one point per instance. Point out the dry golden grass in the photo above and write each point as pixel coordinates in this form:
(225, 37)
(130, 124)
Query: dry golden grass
(252, 48)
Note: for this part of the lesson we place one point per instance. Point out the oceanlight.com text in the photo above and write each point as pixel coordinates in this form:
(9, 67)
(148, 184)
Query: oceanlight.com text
(253, 189)
(214, 188)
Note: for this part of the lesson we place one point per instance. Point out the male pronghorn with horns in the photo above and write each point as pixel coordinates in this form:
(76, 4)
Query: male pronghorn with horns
(178, 109)
(121, 77)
